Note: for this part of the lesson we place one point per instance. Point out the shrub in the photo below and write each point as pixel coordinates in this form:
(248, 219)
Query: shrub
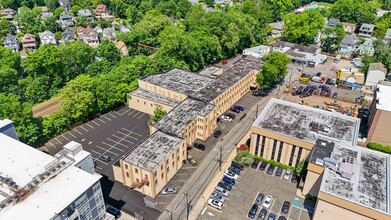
(243, 147)
(380, 147)
(247, 160)
(278, 164)
(309, 197)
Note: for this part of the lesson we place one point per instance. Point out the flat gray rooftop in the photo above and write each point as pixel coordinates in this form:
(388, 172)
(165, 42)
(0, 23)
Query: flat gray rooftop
(307, 124)
(178, 80)
(151, 152)
(369, 185)
(181, 116)
(145, 94)
(227, 79)
(209, 71)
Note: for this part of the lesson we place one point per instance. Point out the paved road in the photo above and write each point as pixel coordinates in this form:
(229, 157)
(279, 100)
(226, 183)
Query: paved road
(207, 170)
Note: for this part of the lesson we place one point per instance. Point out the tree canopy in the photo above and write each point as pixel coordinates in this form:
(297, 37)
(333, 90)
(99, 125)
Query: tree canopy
(273, 70)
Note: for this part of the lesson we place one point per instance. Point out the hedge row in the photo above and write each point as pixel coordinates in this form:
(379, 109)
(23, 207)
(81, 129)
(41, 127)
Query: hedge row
(278, 164)
(379, 147)
(245, 158)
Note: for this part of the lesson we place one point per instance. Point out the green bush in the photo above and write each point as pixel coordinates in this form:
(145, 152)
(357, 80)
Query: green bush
(278, 164)
(380, 147)
(247, 160)
(309, 197)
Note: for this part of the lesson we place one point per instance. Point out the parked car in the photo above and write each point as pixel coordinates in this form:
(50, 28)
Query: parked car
(253, 210)
(285, 207)
(358, 99)
(217, 133)
(239, 107)
(270, 170)
(262, 214)
(235, 110)
(255, 163)
(279, 171)
(217, 197)
(287, 174)
(224, 117)
(318, 74)
(225, 186)
(316, 92)
(317, 79)
(272, 216)
(300, 88)
(281, 217)
(222, 191)
(104, 157)
(237, 165)
(306, 89)
(199, 146)
(215, 204)
(230, 115)
(229, 180)
(231, 174)
(259, 198)
(234, 170)
(263, 165)
(224, 62)
(328, 93)
(113, 211)
(295, 178)
(335, 94)
(268, 200)
(167, 191)
(322, 93)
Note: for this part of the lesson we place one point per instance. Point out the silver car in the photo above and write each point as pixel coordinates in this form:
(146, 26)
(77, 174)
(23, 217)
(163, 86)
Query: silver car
(167, 191)
(217, 197)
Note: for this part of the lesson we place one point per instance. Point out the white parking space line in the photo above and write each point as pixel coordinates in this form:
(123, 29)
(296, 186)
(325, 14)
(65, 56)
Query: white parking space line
(95, 123)
(101, 120)
(71, 134)
(98, 167)
(119, 144)
(83, 128)
(111, 146)
(106, 117)
(96, 159)
(124, 139)
(130, 113)
(112, 153)
(111, 115)
(77, 131)
(271, 207)
(127, 134)
(58, 141)
(96, 152)
(65, 137)
(89, 125)
(52, 145)
(100, 147)
(131, 132)
(140, 116)
(136, 114)
(282, 174)
(289, 213)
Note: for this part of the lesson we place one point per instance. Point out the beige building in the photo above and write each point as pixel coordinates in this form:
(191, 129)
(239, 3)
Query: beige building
(380, 117)
(286, 132)
(193, 102)
(350, 182)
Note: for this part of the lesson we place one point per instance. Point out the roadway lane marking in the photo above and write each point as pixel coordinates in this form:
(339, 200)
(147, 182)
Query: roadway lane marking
(95, 123)
(71, 134)
(101, 120)
(89, 125)
(111, 146)
(132, 132)
(58, 141)
(106, 117)
(77, 131)
(52, 145)
(83, 128)
(124, 139)
(65, 137)
(127, 134)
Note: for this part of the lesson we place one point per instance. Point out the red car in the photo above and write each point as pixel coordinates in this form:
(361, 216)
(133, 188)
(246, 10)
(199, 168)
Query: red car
(295, 178)
(224, 62)
(328, 94)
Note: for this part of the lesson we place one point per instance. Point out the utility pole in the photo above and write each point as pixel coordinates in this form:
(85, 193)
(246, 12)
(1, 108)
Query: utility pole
(221, 156)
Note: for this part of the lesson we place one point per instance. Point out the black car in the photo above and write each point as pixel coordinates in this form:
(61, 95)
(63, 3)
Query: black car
(272, 216)
(259, 198)
(323, 93)
(279, 171)
(235, 110)
(304, 94)
(316, 92)
(237, 165)
(230, 115)
(318, 74)
(306, 89)
(255, 163)
(225, 186)
(285, 207)
(199, 146)
(262, 214)
(270, 170)
(335, 94)
(281, 217)
(295, 178)
(217, 133)
(300, 88)
(263, 165)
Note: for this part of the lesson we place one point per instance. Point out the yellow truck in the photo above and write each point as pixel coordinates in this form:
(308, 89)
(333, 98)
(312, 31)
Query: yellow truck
(304, 77)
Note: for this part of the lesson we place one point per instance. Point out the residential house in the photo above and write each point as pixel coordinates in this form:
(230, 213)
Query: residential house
(376, 73)
(367, 47)
(85, 13)
(366, 30)
(349, 27)
(11, 42)
(258, 51)
(66, 19)
(68, 36)
(17, 27)
(387, 37)
(9, 13)
(28, 41)
(99, 30)
(44, 9)
(122, 47)
(88, 35)
(348, 44)
(47, 37)
(46, 15)
(65, 4)
(102, 12)
(109, 34)
(123, 29)
(332, 22)
(277, 29)
(224, 3)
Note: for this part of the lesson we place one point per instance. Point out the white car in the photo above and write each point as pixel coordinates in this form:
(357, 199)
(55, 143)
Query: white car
(287, 174)
(231, 174)
(268, 201)
(226, 118)
(215, 204)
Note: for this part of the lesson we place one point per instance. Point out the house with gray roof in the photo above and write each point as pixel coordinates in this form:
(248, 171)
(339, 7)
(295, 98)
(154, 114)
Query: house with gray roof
(332, 22)
(68, 36)
(349, 43)
(109, 34)
(123, 29)
(11, 42)
(17, 27)
(46, 15)
(85, 13)
(367, 47)
(387, 37)
(278, 29)
(366, 30)
(66, 19)
(47, 37)
(65, 4)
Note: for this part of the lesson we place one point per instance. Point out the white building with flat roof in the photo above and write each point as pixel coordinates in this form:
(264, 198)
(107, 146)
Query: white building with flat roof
(35, 185)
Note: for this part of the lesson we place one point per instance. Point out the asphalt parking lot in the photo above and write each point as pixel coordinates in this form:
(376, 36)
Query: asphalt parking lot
(249, 184)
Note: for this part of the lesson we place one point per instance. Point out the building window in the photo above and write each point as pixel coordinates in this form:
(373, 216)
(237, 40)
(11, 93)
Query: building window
(173, 163)
(274, 149)
(161, 167)
(183, 153)
(145, 103)
(280, 151)
(156, 182)
(146, 176)
(138, 100)
(177, 158)
(299, 155)
(257, 144)
(172, 156)
(162, 175)
(155, 173)
(292, 155)
(167, 161)
(168, 169)
(136, 170)
(151, 105)
(127, 174)
(263, 146)
(126, 166)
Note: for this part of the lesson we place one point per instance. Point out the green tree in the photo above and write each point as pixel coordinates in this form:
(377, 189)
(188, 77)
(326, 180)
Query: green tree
(158, 113)
(354, 11)
(58, 11)
(301, 168)
(51, 4)
(56, 123)
(109, 51)
(30, 20)
(51, 24)
(274, 69)
(303, 28)
(8, 79)
(334, 36)
(6, 27)
(9, 59)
